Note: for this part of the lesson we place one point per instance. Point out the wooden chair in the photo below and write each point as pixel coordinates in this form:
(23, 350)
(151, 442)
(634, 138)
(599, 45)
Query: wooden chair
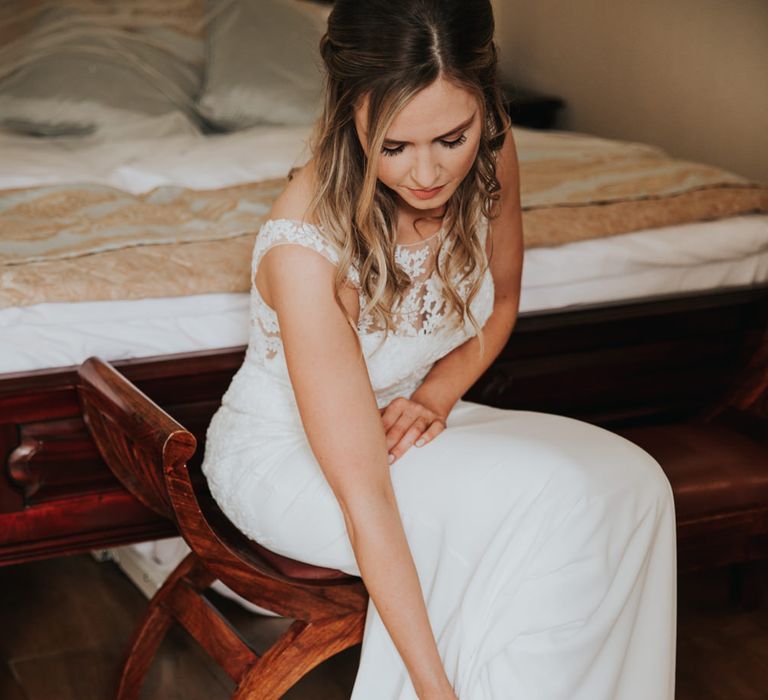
(149, 452)
(717, 465)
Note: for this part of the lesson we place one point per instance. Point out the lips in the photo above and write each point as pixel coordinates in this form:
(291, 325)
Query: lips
(426, 194)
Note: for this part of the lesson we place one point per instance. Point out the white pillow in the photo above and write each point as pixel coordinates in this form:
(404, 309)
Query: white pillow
(77, 72)
(264, 64)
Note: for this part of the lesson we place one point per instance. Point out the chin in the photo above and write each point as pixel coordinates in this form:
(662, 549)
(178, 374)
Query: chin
(425, 205)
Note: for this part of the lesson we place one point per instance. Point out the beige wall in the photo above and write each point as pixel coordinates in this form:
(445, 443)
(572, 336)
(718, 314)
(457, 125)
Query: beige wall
(688, 75)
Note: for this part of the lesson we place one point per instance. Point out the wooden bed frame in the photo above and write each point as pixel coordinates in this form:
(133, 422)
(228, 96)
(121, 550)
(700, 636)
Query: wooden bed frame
(615, 364)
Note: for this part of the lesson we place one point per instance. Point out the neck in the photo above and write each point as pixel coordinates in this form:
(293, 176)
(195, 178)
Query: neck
(409, 213)
(410, 218)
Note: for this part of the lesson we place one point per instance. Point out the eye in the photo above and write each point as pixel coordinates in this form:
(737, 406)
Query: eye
(392, 151)
(456, 142)
(448, 144)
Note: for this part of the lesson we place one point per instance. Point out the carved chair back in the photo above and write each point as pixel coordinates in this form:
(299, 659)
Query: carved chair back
(138, 447)
(148, 451)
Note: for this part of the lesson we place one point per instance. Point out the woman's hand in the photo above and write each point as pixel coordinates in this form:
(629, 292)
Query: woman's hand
(408, 422)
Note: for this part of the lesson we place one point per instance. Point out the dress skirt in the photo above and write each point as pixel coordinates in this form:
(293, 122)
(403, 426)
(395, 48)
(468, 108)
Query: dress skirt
(545, 548)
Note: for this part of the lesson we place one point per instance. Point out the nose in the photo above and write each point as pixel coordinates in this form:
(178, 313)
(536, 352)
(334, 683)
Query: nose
(425, 171)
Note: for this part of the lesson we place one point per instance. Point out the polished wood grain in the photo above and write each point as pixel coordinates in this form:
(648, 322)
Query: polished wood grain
(66, 622)
(750, 392)
(616, 364)
(150, 454)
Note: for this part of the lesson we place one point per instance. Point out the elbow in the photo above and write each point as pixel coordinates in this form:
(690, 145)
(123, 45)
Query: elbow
(363, 506)
(506, 308)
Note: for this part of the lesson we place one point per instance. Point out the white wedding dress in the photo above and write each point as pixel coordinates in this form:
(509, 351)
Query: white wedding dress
(545, 546)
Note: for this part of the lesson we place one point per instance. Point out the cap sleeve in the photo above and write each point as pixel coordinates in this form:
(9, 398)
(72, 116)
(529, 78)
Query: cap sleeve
(289, 232)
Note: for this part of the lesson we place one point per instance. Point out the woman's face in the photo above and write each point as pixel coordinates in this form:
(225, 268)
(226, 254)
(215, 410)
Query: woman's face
(430, 146)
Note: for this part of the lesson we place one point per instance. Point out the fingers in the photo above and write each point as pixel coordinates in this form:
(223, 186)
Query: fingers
(391, 412)
(407, 423)
(436, 427)
(419, 434)
(398, 417)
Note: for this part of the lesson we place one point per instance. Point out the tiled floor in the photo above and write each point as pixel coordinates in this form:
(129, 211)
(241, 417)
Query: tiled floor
(64, 624)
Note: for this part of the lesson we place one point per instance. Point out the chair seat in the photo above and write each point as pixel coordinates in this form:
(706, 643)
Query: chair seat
(235, 538)
(154, 457)
(712, 468)
(298, 569)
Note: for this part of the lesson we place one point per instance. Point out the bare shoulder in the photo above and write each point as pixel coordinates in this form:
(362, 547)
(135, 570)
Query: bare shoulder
(286, 270)
(289, 277)
(293, 202)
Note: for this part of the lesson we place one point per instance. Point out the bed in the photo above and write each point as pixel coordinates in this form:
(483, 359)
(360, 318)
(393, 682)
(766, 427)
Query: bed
(46, 328)
(621, 322)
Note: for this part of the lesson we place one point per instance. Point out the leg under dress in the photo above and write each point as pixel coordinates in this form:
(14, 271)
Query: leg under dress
(545, 548)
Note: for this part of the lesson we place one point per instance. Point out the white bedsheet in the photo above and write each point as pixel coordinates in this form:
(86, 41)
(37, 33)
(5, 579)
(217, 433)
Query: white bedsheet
(732, 252)
(672, 260)
(187, 160)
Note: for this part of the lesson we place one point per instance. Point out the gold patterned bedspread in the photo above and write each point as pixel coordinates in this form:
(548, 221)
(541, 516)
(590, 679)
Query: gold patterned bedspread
(91, 242)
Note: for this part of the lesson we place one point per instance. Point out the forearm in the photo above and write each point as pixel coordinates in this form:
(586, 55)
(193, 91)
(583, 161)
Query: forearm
(389, 573)
(456, 372)
(355, 463)
(343, 426)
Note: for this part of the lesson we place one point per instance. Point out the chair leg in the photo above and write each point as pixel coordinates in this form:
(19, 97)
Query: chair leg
(154, 626)
(142, 650)
(302, 647)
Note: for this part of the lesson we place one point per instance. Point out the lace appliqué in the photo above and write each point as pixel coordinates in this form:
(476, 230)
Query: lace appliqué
(421, 307)
(423, 310)
(265, 340)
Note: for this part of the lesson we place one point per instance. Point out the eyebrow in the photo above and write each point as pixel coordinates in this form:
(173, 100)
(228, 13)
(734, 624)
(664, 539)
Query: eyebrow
(461, 126)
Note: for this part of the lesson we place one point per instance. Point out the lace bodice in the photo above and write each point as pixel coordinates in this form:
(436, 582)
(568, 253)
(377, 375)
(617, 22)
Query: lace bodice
(397, 361)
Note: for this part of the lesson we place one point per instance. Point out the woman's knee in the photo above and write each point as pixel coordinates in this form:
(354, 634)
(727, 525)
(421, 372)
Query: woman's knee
(644, 476)
(607, 463)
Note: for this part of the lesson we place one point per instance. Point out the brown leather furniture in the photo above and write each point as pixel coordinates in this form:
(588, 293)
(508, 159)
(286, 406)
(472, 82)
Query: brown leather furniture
(718, 468)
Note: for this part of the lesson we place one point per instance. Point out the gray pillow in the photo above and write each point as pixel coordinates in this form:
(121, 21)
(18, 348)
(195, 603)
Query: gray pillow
(264, 64)
(72, 75)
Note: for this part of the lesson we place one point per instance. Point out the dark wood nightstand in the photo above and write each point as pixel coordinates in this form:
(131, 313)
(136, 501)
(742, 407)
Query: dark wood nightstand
(531, 109)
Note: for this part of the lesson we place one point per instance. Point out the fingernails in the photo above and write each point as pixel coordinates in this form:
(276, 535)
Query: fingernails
(390, 458)
(420, 442)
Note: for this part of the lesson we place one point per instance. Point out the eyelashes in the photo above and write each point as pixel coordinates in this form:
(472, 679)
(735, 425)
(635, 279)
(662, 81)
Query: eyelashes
(447, 144)
(392, 151)
(455, 142)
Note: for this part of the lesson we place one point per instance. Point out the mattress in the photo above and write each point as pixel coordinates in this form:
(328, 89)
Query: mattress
(726, 253)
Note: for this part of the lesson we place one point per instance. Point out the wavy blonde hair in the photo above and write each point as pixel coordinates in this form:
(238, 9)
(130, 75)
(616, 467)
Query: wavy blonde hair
(389, 50)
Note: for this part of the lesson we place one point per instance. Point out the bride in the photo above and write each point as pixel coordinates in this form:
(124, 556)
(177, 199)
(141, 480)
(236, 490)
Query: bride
(508, 554)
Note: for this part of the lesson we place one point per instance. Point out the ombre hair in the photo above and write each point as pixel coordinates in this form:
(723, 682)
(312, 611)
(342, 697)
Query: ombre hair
(389, 50)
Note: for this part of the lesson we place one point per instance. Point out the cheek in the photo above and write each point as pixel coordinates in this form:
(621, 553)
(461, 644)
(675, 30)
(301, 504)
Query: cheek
(391, 170)
(463, 160)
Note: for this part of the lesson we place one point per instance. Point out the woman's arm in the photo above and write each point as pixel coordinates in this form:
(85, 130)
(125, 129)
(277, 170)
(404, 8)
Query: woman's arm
(343, 425)
(455, 373)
